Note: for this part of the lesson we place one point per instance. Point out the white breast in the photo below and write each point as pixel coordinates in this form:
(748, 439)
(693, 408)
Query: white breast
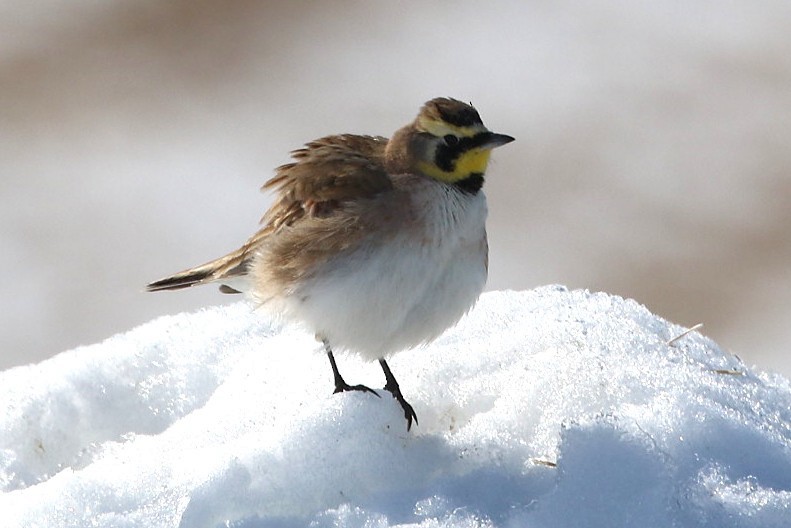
(407, 289)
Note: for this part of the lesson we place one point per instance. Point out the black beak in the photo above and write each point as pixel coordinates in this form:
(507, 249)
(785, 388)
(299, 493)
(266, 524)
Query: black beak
(496, 140)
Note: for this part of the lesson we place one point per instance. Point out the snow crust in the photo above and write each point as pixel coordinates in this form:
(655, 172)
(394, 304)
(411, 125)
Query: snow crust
(547, 408)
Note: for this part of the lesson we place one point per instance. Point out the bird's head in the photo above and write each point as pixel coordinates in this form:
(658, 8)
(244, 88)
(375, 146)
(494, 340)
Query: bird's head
(448, 142)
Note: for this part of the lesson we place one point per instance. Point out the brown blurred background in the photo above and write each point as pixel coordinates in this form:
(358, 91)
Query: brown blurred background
(653, 153)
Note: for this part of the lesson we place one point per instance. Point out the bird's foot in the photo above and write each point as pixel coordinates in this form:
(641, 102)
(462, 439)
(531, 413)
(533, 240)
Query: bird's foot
(409, 412)
(340, 383)
(342, 386)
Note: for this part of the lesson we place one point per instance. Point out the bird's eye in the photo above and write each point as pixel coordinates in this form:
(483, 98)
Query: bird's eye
(451, 140)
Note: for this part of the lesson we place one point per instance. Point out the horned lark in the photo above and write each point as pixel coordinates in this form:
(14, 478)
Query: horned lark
(375, 245)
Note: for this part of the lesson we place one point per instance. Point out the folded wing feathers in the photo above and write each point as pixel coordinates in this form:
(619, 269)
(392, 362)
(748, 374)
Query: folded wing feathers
(326, 173)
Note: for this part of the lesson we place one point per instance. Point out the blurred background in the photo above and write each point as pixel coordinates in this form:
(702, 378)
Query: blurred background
(653, 153)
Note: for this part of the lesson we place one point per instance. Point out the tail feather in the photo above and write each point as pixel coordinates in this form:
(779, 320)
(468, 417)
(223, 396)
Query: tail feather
(185, 279)
(230, 266)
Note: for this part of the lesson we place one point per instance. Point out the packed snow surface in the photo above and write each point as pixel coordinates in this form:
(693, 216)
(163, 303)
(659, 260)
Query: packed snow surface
(546, 408)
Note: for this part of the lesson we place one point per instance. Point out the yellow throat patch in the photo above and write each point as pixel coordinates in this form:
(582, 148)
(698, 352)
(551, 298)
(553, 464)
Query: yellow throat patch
(468, 163)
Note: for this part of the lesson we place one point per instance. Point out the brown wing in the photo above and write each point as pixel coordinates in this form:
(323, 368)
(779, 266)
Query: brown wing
(318, 212)
(325, 174)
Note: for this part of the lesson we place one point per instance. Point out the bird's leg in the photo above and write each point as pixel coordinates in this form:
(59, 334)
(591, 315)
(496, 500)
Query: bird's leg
(392, 387)
(340, 384)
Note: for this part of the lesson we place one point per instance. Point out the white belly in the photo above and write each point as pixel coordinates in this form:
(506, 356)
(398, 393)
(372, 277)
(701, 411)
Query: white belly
(403, 293)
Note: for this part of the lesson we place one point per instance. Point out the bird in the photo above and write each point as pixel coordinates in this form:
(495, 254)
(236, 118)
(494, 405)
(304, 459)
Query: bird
(375, 245)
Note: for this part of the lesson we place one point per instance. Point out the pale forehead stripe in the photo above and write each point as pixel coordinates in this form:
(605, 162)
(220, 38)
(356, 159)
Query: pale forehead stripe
(441, 128)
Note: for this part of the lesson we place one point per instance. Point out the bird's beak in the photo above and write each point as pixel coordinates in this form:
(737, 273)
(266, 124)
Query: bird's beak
(496, 140)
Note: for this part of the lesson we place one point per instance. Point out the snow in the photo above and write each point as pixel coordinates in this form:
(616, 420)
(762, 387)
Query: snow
(546, 408)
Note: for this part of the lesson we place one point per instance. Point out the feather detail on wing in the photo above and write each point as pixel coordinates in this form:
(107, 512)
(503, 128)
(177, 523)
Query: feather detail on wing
(325, 174)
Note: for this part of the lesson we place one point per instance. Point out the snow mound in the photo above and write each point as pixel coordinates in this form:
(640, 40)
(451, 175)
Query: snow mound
(548, 408)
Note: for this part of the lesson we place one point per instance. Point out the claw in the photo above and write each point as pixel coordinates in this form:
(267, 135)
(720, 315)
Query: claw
(392, 387)
(409, 412)
(344, 387)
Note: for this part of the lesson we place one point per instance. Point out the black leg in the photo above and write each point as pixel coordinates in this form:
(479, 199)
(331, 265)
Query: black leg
(340, 384)
(392, 387)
